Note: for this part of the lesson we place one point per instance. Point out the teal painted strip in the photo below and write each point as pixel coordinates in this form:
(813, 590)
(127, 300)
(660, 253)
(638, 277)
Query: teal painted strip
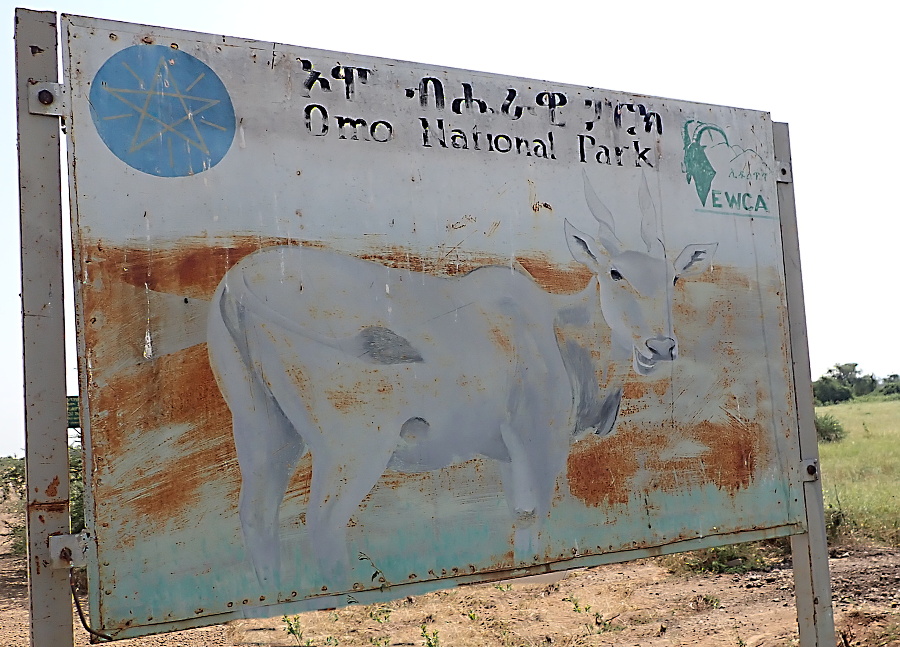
(376, 596)
(206, 565)
(735, 213)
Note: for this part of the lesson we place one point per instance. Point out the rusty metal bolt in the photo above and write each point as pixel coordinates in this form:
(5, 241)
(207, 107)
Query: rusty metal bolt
(811, 469)
(45, 97)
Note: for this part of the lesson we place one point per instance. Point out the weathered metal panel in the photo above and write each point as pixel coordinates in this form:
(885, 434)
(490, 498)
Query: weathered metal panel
(352, 327)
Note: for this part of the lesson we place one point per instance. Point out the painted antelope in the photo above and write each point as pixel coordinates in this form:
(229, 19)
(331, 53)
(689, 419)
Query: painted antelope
(373, 368)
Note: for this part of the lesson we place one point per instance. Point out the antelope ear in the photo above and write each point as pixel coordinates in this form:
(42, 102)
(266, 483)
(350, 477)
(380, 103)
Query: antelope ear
(650, 230)
(604, 218)
(695, 259)
(584, 248)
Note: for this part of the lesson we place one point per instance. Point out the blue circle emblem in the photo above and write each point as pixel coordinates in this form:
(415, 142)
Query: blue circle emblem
(162, 111)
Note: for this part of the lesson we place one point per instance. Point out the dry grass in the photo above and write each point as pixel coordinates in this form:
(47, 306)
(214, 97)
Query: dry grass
(867, 628)
(503, 614)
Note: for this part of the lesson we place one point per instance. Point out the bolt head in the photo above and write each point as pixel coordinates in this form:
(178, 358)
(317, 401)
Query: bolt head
(45, 97)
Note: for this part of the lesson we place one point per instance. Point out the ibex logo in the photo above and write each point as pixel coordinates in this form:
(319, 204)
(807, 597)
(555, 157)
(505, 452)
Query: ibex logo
(708, 151)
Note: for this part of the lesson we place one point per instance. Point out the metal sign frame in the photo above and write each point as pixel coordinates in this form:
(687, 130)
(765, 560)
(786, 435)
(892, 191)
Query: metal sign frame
(41, 100)
(43, 326)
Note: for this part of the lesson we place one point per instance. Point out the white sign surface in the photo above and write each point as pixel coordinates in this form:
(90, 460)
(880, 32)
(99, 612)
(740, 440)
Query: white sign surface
(351, 328)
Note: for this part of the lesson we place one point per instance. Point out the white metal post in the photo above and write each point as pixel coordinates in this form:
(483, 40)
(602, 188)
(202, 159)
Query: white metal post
(812, 583)
(43, 323)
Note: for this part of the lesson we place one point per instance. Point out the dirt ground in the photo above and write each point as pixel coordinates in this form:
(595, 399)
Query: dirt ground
(638, 603)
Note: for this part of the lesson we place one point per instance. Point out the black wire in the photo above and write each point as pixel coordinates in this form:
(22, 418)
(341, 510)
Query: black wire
(81, 613)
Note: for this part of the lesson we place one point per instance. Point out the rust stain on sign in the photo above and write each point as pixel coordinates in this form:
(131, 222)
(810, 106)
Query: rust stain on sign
(203, 453)
(298, 488)
(361, 395)
(502, 340)
(194, 265)
(635, 390)
(606, 472)
(53, 488)
(190, 266)
(185, 396)
(727, 447)
(558, 279)
(598, 474)
(188, 394)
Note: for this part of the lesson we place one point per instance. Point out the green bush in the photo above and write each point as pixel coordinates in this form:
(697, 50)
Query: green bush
(828, 390)
(12, 496)
(834, 523)
(829, 429)
(734, 558)
(12, 500)
(12, 479)
(76, 489)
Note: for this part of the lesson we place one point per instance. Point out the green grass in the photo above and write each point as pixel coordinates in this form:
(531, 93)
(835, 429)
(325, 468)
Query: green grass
(12, 501)
(12, 497)
(861, 474)
(733, 558)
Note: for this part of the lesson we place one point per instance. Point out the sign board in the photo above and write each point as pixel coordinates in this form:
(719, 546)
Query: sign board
(352, 329)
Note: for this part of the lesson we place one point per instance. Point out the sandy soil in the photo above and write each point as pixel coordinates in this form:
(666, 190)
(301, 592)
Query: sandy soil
(639, 603)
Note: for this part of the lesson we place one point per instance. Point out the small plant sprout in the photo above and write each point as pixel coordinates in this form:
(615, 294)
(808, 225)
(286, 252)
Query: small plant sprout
(704, 602)
(293, 628)
(577, 605)
(380, 614)
(602, 625)
(431, 638)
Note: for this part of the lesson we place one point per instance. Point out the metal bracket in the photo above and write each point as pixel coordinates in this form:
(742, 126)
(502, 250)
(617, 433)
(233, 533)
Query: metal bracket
(784, 173)
(809, 469)
(46, 98)
(67, 551)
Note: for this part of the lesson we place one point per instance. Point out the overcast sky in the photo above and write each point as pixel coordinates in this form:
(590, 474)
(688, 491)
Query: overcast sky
(829, 71)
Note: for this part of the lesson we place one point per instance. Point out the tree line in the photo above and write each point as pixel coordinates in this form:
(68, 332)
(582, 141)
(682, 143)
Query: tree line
(845, 381)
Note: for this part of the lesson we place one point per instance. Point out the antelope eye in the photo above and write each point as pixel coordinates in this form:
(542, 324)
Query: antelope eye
(616, 275)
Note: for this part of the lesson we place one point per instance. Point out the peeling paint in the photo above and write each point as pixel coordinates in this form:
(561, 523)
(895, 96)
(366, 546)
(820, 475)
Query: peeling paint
(677, 434)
